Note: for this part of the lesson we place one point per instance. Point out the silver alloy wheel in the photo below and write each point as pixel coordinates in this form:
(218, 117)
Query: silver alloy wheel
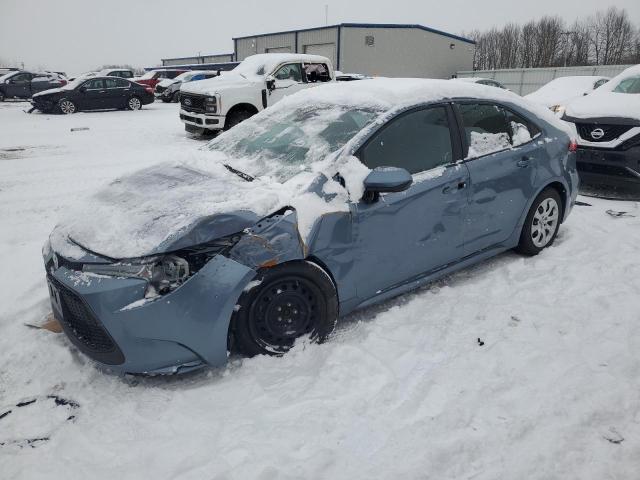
(545, 222)
(67, 107)
(134, 103)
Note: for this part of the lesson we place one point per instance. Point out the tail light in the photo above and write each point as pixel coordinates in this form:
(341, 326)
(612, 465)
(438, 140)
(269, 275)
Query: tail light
(63, 82)
(148, 89)
(573, 145)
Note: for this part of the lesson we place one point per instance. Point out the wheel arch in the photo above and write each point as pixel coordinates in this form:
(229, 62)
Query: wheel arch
(242, 106)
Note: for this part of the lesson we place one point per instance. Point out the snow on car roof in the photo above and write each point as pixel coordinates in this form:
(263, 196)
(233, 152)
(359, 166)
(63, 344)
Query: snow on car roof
(563, 89)
(469, 79)
(266, 62)
(605, 103)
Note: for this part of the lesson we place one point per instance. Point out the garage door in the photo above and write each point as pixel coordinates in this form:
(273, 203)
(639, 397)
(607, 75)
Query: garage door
(279, 50)
(325, 49)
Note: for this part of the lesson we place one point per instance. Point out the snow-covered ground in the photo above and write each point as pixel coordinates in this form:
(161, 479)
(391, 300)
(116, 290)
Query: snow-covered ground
(519, 368)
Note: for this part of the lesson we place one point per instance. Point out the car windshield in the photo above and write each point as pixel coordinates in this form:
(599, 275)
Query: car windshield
(629, 85)
(282, 143)
(186, 76)
(148, 75)
(75, 83)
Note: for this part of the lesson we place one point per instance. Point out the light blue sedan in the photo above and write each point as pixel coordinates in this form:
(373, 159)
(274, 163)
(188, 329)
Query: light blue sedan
(336, 198)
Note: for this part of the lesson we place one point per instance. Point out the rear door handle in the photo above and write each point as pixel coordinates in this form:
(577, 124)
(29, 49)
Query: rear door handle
(454, 188)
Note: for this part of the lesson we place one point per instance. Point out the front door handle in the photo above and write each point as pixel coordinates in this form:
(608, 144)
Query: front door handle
(524, 162)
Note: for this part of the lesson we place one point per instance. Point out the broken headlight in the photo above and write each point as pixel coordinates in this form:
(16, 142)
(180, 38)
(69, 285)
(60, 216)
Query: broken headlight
(164, 274)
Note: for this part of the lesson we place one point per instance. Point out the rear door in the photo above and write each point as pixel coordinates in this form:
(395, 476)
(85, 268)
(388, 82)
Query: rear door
(19, 85)
(115, 92)
(502, 160)
(406, 234)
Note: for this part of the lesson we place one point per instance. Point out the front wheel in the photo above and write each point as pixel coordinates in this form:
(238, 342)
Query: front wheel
(542, 223)
(2, 97)
(287, 302)
(237, 117)
(67, 106)
(134, 103)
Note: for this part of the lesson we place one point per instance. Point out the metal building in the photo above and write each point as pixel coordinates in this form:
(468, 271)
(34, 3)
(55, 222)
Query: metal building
(389, 50)
(201, 59)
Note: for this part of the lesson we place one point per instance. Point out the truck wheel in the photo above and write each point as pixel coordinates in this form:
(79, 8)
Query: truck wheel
(289, 301)
(237, 117)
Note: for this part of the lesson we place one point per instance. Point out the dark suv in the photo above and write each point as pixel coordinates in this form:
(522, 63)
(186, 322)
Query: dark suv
(23, 84)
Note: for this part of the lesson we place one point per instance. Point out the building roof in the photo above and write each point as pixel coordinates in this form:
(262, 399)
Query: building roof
(199, 56)
(366, 25)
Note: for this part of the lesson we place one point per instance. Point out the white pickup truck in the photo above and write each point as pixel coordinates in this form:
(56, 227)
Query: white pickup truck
(256, 83)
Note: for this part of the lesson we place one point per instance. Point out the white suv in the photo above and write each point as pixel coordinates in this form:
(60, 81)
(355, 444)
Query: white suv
(258, 82)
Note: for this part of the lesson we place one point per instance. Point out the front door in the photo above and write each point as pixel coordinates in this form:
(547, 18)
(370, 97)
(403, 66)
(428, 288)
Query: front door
(115, 92)
(93, 95)
(288, 80)
(404, 235)
(19, 85)
(502, 159)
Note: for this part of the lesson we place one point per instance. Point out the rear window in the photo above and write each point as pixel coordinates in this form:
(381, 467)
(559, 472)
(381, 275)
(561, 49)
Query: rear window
(485, 128)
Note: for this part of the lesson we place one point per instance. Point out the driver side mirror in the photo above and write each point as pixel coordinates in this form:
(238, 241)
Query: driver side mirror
(385, 180)
(82, 89)
(271, 83)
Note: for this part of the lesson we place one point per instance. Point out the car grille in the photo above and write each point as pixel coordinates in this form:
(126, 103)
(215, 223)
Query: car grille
(192, 103)
(85, 328)
(609, 132)
(160, 89)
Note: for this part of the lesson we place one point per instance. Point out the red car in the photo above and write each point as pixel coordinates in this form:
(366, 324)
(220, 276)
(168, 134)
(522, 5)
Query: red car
(153, 77)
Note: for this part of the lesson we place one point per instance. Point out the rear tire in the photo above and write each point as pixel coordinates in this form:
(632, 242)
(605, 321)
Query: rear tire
(292, 300)
(134, 103)
(236, 117)
(542, 223)
(67, 107)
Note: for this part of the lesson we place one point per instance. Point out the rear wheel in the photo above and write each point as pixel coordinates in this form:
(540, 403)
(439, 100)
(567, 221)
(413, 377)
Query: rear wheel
(542, 223)
(134, 103)
(291, 300)
(67, 106)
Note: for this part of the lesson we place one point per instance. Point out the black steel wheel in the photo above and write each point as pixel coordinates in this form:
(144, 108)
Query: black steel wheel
(287, 302)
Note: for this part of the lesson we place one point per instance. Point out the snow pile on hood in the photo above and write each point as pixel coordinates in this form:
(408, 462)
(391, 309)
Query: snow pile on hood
(292, 149)
(605, 103)
(561, 91)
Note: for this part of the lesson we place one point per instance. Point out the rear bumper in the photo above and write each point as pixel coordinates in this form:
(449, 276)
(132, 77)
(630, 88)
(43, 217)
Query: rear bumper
(201, 120)
(109, 320)
(609, 167)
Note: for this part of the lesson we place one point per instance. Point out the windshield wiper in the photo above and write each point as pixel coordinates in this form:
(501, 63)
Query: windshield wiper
(242, 175)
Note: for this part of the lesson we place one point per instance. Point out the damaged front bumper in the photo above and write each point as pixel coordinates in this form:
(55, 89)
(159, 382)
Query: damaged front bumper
(110, 320)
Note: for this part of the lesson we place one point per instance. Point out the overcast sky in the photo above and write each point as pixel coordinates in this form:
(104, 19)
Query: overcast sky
(80, 35)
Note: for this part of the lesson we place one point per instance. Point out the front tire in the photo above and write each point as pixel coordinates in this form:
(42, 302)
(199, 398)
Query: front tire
(2, 97)
(542, 223)
(134, 103)
(291, 300)
(67, 107)
(237, 117)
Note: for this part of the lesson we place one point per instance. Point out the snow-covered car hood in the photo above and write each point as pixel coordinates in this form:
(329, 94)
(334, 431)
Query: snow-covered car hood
(605, 104)
(563, 90)
(224, 82)
(166, 82)
(177, 205)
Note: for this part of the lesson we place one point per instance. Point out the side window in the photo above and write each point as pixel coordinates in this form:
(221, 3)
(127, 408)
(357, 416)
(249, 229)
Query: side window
(126, 74)
(416, 141)
(110, 83)
(289, 72)
(522, 130)
(21, 78)
(95, 84)
(316, 72)
(485, 128)
(122, 83)
(199, 76)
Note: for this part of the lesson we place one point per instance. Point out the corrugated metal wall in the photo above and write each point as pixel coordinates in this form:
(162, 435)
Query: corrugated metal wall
(526, 80)
(320, 42)
(222, 58)
(403, 52)
(263, 44)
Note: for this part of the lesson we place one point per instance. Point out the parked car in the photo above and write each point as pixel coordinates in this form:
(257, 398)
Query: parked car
(168, 90)
(481, 81)
(607, 122)
(558, 93)
(96, 93)
(336, 198)
(23, 84)
(153, 77)
(5, 70)
(257, 83)
(116, 72)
